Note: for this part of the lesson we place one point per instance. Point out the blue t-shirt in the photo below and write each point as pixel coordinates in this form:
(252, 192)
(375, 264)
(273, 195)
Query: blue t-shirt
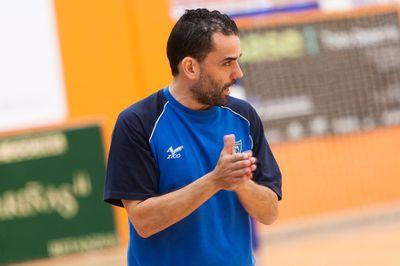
(158, 146)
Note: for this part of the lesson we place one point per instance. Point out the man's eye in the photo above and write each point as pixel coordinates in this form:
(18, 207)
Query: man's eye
(227, 63)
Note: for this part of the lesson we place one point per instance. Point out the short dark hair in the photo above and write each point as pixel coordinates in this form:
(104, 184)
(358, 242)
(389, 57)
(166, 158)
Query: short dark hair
(192, 33)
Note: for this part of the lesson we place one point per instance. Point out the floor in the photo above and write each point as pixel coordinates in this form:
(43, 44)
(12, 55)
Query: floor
(363, 237)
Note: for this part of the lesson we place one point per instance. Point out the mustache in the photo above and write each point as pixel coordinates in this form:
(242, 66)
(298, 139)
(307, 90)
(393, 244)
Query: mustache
(233, 82)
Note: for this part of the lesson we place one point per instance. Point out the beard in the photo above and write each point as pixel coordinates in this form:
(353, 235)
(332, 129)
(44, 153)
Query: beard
(207, 91)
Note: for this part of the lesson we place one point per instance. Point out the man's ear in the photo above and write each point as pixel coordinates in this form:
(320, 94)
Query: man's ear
(190, 67)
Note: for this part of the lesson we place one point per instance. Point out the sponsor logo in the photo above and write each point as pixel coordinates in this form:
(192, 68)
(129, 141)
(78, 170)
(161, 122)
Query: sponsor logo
(174, 153)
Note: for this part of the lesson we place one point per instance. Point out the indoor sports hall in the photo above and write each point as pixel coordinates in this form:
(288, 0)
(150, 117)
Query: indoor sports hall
(324, 77)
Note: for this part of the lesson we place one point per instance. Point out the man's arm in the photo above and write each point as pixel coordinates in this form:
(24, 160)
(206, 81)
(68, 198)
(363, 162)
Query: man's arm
(157, 213)
(259, 201)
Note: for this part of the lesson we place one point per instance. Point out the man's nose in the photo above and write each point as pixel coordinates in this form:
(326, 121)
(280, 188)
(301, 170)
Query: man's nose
(237, 73)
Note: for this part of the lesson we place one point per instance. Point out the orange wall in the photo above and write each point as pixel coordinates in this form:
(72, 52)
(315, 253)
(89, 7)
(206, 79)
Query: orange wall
(339, 172)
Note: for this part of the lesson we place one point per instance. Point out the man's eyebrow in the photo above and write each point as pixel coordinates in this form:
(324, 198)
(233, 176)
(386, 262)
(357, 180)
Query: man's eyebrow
(230, 58)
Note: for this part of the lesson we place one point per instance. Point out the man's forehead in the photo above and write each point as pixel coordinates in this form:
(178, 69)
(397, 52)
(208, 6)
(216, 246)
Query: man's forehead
(226, 45)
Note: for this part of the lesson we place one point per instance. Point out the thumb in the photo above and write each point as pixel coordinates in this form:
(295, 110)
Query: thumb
(229, 142)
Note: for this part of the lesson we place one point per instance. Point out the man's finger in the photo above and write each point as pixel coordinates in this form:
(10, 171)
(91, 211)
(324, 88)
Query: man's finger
(241, 172)
(241, 164)
(229, 142)
(249, 152)
(238, 157)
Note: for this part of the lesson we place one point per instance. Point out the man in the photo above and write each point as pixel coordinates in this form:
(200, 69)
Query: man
(183, 161)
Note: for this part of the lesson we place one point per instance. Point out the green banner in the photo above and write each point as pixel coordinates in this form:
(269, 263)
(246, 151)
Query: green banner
(51, 186)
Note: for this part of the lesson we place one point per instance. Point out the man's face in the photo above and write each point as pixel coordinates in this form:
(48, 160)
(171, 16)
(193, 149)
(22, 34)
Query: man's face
(218, 71)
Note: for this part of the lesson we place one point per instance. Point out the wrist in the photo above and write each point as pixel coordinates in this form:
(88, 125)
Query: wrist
(242, 188)
(211, 180)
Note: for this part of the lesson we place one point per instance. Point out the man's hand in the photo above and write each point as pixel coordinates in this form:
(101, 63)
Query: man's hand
(233, 169)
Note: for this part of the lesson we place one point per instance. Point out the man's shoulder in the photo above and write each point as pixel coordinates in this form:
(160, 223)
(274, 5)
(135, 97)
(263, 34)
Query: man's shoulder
(241, 107)
(238, 103)
(148, 106)
(142, 115)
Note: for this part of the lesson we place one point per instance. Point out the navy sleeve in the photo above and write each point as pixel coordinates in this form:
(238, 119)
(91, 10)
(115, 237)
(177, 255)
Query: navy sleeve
(267, 172)
(131, 169)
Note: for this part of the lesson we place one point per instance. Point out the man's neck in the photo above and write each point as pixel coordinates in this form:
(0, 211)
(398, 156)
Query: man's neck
(184, 96)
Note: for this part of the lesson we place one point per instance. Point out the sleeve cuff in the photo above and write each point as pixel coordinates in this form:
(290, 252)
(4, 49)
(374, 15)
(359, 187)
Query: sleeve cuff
(273, 187)
(115, 198)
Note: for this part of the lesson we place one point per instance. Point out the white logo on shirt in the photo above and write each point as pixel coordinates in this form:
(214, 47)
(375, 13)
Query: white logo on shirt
(174, 153)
